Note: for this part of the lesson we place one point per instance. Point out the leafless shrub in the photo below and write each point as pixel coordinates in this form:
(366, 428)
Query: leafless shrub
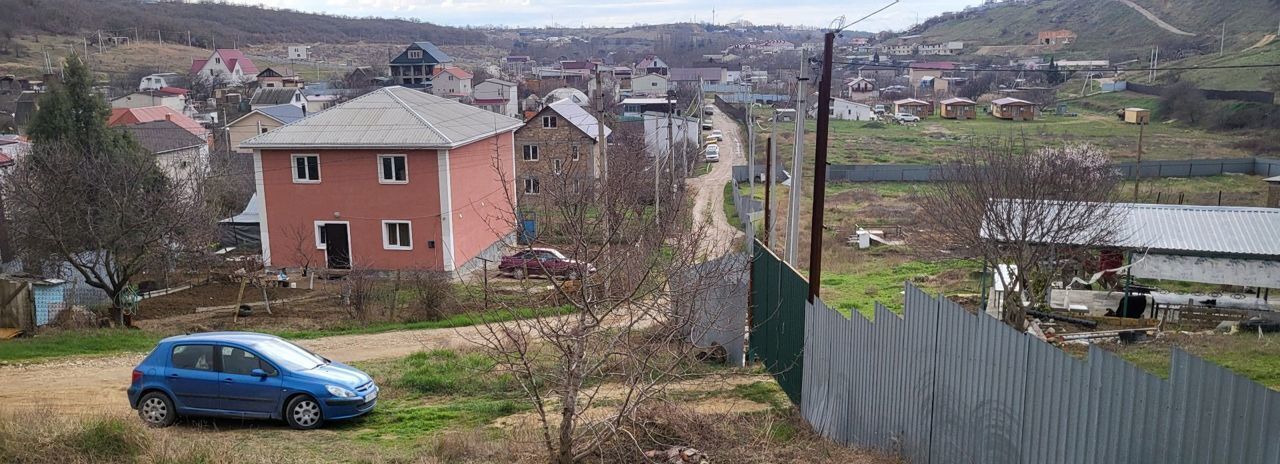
(358, 291)
(431, 293)
(587, 373)
(1040, 211)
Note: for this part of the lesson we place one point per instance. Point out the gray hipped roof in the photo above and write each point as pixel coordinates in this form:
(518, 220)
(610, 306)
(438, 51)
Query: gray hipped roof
(390, 117)
(580, 118)
(163, 136)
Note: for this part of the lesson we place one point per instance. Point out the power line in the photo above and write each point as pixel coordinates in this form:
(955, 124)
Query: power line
(1089, 69)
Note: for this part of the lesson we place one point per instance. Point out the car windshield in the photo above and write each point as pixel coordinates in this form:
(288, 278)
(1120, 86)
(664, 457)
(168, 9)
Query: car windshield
(290, 356)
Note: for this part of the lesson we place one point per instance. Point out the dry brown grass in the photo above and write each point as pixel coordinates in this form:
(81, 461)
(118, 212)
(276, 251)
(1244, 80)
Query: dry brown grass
(36, 437)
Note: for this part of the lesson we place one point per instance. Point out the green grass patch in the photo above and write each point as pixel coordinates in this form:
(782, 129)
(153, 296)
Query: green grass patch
(444, 372)
(459, 320)
(731, 210)
(764, 393)
(102, 342)
(1244, 353)
(80, 342)
(408, 420)
(861, 290)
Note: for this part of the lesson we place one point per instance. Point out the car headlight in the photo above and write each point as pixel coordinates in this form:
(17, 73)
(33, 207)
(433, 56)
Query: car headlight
(339, 391)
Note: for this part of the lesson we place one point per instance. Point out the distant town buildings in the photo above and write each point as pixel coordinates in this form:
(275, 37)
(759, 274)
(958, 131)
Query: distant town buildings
(415, 66)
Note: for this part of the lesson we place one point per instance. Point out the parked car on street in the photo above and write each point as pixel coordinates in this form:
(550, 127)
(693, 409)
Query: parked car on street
(249, 376)
(906, 117)
(544, 261)
(719, 136)
(706, 125)
(712, 153)
(878, 109)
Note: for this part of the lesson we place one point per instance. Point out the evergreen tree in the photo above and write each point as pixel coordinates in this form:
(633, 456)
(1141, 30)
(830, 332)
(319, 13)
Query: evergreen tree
(74, 114)
(1054, 76)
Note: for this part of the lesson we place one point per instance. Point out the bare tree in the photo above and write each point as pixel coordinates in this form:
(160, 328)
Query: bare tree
(107, 216)
(1038, 211)
(590, 371)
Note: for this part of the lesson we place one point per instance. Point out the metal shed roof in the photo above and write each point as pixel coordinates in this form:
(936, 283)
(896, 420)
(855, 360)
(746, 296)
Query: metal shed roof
(390, 117)
(1221, 230)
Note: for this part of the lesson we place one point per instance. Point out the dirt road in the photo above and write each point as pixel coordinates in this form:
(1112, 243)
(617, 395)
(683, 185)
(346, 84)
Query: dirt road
(1155, 19)
(97, 385)
(708, 203)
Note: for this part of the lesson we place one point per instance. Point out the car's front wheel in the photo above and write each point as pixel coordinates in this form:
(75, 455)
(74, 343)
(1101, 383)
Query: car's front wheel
(518, 273)
(156, 410)
(303, 413)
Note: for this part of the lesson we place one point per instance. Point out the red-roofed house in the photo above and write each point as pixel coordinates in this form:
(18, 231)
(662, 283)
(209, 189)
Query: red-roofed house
(451, 82)
(232, 64)
(130, 116)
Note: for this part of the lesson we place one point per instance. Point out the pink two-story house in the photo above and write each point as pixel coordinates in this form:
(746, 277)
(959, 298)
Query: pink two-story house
(394, 179)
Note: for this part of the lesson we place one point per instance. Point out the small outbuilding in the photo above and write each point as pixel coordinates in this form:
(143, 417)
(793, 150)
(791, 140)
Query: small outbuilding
(1013, 109)
(959, 108)
(913, 106)
(1137, 115)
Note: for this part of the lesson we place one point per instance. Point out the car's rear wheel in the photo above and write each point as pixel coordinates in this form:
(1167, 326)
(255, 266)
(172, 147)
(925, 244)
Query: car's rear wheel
(303, 413)
(518, 273)
(156, 410)
(572, 275)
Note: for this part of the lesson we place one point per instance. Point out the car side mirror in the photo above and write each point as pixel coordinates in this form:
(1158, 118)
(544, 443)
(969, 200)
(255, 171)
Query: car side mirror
(258, 373)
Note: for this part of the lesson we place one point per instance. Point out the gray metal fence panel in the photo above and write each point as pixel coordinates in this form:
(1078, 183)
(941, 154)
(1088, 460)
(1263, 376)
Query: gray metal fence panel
(939, 384)
(1149, 169)
(719, 311)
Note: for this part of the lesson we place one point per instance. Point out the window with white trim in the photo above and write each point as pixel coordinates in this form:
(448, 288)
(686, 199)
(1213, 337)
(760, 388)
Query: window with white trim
(576, 155)
(306, 168)
(397, 235)
(549, 121)
(556, 165)
(530, 152)
(531, 186)
(393, 169)
(415, 54)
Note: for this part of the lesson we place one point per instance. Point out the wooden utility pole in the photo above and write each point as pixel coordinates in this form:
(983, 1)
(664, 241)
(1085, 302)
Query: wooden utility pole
(820, 167)
(600, 167)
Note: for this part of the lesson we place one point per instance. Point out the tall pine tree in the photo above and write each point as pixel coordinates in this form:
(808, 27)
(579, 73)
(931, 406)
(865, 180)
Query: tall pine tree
(73, 113)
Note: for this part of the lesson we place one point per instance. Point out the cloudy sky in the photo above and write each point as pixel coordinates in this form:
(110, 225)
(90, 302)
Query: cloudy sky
(629, 12)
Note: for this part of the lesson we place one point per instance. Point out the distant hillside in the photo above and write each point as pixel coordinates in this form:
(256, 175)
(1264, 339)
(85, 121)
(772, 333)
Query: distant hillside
(212, 22)
(1108, 29)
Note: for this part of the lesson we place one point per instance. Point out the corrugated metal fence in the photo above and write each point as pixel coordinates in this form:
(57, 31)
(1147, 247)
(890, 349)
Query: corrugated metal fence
(717, 309)
(777, 326)
(939, 384)
(1149, 169)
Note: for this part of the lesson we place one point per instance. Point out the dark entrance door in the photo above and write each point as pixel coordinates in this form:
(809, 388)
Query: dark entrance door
(337, 247)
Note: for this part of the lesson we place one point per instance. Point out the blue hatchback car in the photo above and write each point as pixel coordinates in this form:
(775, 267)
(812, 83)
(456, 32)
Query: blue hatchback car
(246, 375)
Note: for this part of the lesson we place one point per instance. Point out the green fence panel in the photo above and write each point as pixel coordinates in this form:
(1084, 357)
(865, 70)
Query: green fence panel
(778, 296)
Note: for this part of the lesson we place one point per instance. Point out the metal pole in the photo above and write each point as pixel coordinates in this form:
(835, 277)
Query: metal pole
(1137, 167)
(770, 162)
(820, 167)
(768, 189)
(797, 166)
(751, 147)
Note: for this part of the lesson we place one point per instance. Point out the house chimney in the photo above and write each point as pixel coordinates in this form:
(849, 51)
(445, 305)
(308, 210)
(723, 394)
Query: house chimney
(1273, 192)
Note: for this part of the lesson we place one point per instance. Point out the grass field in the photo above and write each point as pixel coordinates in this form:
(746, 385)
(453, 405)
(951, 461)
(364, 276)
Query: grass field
(101, 342)
(936, 140)
(1254, 357)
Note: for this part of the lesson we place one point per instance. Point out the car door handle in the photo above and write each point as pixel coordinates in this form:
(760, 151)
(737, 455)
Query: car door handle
(228, 380)
(173, 375)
